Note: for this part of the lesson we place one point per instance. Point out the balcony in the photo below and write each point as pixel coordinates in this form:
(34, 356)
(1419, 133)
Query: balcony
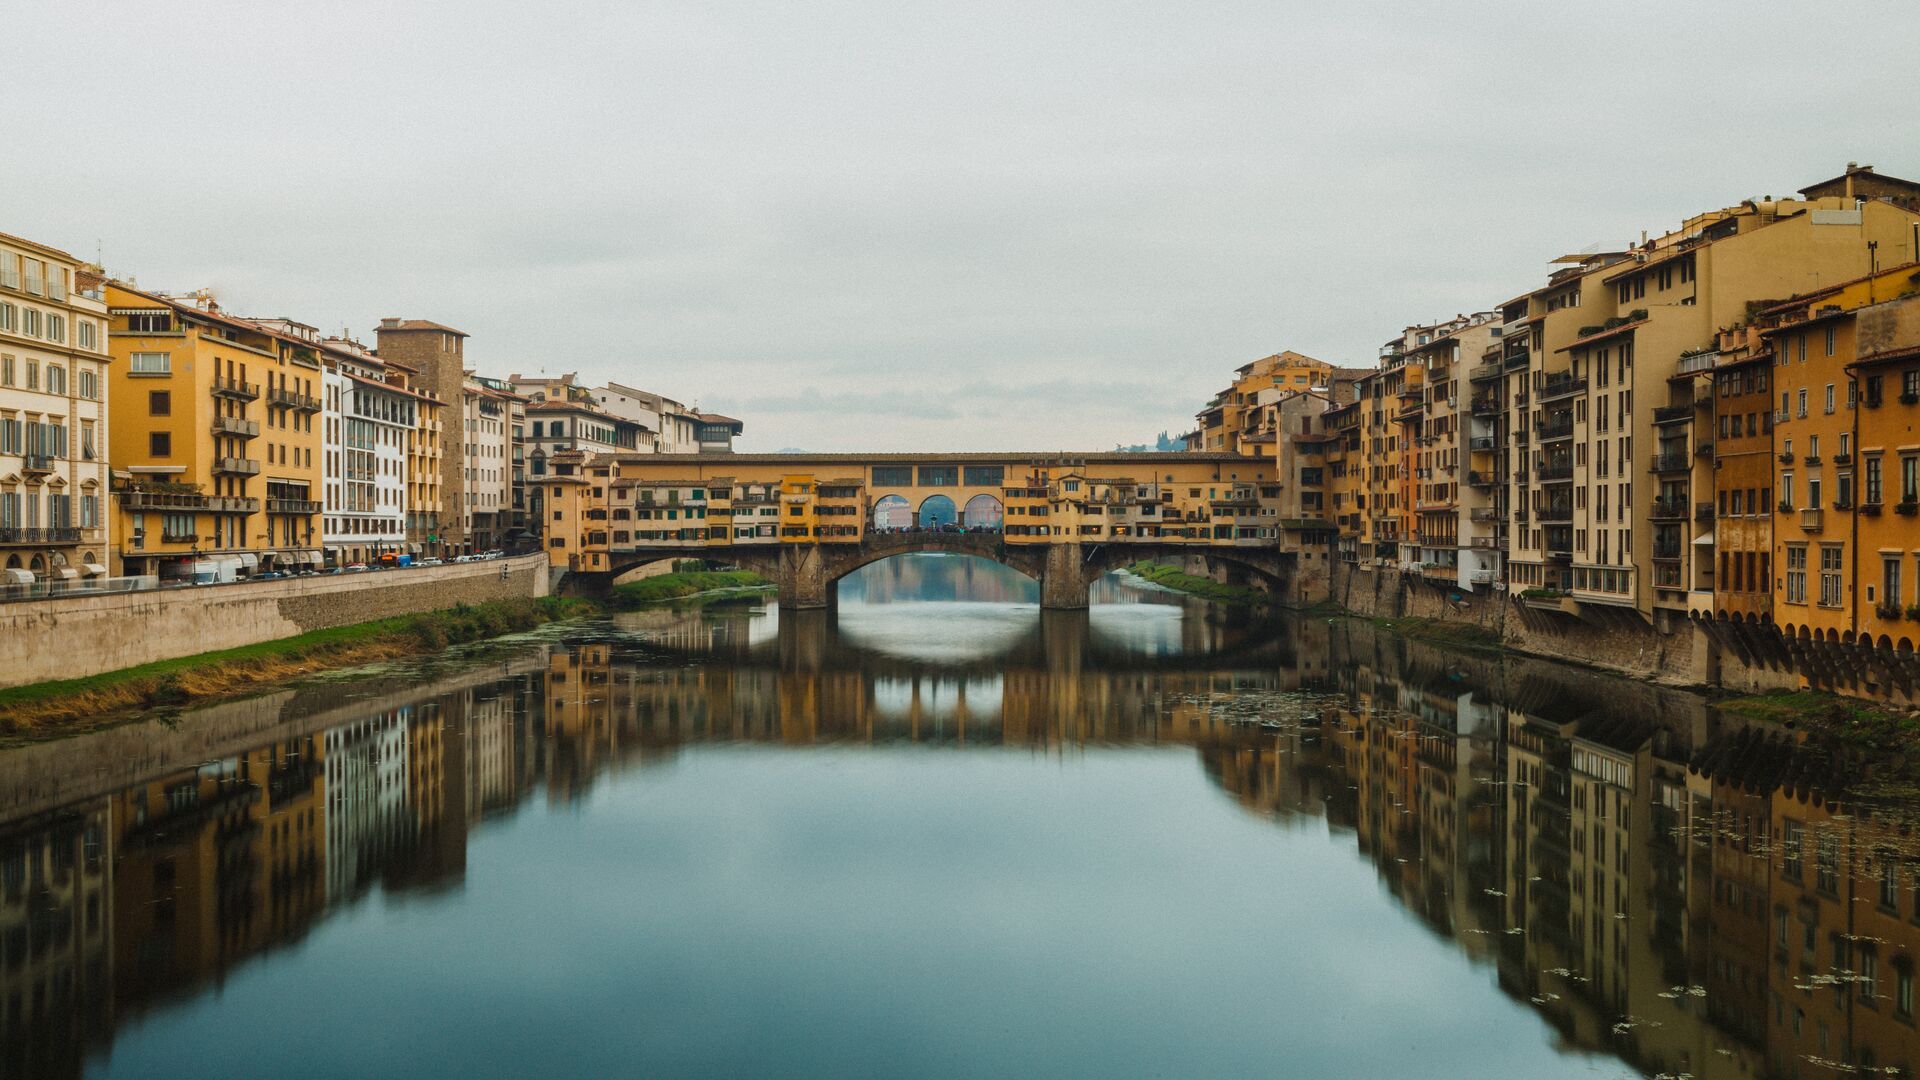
(1551, 431)
(236, 426)
(36, 463)
(1487, 543)
(293, 400)
(1812, 519)
(293, 506)
(1479, 479)
(1694, 363)
(1556, 473)
(1486, 371)
(1669, 508)
(235, 389)
(10, 536)
(1703, 512)
(1486, 407)
(1547, 514)
(1480, 443)
(1483, 513)
(1516, 362)
(1703, 449)
(1672, 462)
(1668, 550)
(1843, 459)
(236, 466)
(1673, 414)
(1560, 386)
(232, 504)
(137, 500)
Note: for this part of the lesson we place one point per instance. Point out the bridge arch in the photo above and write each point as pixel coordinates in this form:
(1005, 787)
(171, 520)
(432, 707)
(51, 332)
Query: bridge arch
(937, 512)
(892, 513)
(983, 512)
(807, 573)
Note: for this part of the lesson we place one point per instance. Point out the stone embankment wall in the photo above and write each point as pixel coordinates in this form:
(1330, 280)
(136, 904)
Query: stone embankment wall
(77, 636)
(1683, 654)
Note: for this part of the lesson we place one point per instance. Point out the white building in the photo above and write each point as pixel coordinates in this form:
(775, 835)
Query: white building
(368, 422)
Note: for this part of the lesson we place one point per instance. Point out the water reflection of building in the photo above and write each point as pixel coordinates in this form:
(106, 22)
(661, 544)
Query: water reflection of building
(1690, 894)
(56, 943)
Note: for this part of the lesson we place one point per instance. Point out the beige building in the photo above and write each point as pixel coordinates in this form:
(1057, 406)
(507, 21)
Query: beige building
(53, 417)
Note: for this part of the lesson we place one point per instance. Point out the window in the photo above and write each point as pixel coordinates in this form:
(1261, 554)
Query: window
(1830, 343)
(1890, 579)
(90, 384)
(87, 335)
(1829, 399)
(1796, 573)
(1910, 478)
(1830, 559)
(159, 444)
(1792, 835)
(30, 323)
(150, 363)
(159, 403)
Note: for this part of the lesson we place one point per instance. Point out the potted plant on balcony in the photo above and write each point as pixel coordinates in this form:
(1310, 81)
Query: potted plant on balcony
(1913, 611)
(1907, 507)
(1888, 611)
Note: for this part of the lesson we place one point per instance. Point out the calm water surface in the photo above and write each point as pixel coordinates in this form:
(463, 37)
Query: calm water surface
(939, 833)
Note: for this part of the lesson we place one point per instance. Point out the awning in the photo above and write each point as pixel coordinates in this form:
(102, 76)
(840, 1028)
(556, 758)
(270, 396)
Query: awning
(311, 558)
(16, 576)
(94, 569)
(64, 573)
(1703, 540)
(249, 560)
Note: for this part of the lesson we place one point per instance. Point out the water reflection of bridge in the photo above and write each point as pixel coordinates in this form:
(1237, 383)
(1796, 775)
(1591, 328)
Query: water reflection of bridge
(1544, 820)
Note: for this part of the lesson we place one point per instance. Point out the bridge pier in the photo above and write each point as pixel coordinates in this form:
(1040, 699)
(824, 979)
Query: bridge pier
(802, 578)
(1064, 579)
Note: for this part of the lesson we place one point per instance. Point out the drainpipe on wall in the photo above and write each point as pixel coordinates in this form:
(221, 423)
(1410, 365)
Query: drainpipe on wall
(1859, 478)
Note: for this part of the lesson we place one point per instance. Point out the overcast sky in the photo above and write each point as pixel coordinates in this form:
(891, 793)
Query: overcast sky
(887, 226)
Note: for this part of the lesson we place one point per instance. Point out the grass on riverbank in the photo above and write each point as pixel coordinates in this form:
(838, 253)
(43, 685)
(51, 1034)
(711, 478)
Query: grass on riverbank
(228, 672)
(684, 583)
(1205, 588)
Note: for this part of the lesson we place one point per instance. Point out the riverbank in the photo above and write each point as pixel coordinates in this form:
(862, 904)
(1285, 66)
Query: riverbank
(1168, 577)
(684, 583)
(209, 676)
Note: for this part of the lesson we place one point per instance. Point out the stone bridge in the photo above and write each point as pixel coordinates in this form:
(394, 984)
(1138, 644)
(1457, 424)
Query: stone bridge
(806, 573)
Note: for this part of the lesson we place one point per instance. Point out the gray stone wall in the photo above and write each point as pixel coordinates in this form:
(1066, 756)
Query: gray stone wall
(73, 637)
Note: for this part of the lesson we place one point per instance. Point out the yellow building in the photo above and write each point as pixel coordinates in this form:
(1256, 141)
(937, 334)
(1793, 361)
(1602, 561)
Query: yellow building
(214, 439)
(1845, 362)
(53, 417)
(1235, 415)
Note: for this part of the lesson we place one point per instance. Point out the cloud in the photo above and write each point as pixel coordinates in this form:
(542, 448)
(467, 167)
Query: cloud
(989, 224)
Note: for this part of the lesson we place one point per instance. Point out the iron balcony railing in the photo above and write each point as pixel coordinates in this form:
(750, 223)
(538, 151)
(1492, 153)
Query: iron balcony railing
(234, 425)
(293, 399)
(235, 388)
(11, 535)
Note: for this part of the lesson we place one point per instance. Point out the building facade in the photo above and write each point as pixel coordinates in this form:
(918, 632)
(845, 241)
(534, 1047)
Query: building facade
(54, 393)
(214, 439)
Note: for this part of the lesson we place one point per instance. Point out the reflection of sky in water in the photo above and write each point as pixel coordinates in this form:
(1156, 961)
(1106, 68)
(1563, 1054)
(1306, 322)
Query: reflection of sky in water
(860, 913)
(946, 631)
(1146, 629)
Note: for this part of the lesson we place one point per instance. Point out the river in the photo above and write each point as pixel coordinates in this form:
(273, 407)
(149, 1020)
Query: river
(936, 832)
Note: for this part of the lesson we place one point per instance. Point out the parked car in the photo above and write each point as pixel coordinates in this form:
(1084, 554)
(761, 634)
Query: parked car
(430, 562)
(268, 575)
(354, 568)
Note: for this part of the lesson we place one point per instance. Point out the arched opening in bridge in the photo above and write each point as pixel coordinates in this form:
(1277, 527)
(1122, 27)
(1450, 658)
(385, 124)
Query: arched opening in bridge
(892, 513)
(938, 512)
(983, 514)
(924, 577)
